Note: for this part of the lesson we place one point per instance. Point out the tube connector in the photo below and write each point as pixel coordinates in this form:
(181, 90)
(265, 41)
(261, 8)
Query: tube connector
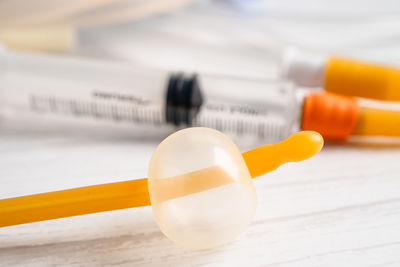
(333, 116)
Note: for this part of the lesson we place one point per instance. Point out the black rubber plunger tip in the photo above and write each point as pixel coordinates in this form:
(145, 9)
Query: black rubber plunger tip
(184, 99)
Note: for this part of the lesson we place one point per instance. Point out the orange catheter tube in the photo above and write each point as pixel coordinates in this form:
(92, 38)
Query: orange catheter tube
(357, 78)
(134, 193)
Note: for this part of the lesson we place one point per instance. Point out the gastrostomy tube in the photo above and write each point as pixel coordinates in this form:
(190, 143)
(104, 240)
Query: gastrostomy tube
(341, 75)
(199, 186)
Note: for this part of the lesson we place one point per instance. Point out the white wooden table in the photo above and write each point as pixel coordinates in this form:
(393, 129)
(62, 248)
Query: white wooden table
(340, 208)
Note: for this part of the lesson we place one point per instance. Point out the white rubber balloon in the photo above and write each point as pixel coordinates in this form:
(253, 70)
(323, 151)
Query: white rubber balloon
(201, 191)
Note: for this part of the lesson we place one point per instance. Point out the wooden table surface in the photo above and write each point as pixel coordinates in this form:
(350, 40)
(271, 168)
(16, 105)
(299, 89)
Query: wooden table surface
(340, 208)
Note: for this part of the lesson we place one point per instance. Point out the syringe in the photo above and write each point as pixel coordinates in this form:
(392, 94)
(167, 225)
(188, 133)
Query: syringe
(72, 90)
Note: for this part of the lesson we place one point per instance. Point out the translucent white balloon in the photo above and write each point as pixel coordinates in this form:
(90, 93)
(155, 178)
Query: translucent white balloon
(201, 191)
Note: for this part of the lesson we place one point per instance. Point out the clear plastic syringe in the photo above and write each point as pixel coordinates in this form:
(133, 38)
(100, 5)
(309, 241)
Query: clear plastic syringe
(63, 89)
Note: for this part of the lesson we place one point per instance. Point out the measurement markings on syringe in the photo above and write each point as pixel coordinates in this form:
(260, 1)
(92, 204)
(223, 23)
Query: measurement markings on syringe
(267, 128)
(138, 113)
(119, 97)
(242, 120)
(237, 109)
(218, 116)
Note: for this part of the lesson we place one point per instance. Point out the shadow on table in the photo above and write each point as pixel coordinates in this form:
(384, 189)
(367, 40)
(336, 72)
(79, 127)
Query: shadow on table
(366, 142)
(145, 247)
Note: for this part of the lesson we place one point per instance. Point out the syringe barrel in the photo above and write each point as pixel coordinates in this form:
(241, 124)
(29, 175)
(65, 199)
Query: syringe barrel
(28, 78)
(80, 90)
(269, 110)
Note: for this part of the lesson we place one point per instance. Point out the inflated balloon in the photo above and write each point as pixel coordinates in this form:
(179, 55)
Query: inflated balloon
(213, 198)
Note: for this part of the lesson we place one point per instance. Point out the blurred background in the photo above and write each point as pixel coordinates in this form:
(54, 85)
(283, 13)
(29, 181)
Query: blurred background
(74, 57)
(241, 37)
